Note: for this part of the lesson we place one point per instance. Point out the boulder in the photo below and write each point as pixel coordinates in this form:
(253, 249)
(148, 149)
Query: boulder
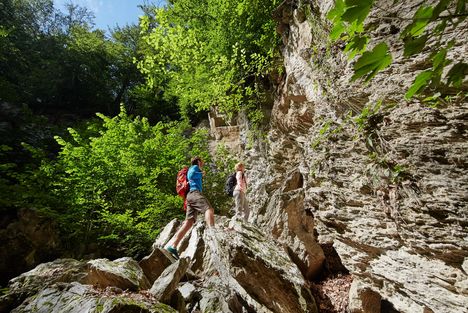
(195, 247)
(166, 234)
(253, 271)
(363, 299)
(188, 291)
(178, 302)
(168, 281)
(46, 274)
(155, 263)
(239, 269)
(124, 273)
(214, 300)
(78, 298)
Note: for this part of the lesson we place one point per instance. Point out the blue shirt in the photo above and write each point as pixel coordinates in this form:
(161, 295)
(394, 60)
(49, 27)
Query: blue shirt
(194, 176)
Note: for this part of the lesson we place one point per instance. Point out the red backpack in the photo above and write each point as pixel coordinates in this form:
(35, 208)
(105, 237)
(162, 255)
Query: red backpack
(182, 185)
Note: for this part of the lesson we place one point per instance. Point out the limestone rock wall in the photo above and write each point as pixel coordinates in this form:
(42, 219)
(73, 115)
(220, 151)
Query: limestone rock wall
(388, 189)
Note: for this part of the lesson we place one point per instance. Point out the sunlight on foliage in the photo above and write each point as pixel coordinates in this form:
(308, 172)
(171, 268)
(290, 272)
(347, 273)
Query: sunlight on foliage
(371, 62)
(118, 184)
(420, 81)
(208, 55)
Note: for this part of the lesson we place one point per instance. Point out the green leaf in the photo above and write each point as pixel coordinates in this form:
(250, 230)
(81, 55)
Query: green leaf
(356, 45)
(439, 8)
(420, 81)
(337, 30)
(414, 45)
(439, 60)
(457, 74)
(420, 20)
(337, 10)
(3, 32)
(335, 16)
(372, 61)
(357, 10)
(461, 7)
(439, 29)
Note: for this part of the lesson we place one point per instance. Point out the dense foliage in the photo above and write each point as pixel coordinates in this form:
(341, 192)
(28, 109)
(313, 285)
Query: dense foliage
(56, 71)
(56, 64)
(211, 53)
(109, 182)
(112, 184)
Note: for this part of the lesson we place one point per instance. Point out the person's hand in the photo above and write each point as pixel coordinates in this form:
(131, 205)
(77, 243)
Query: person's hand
(203, 172)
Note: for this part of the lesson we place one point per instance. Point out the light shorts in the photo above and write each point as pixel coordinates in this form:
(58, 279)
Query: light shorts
(196, 203)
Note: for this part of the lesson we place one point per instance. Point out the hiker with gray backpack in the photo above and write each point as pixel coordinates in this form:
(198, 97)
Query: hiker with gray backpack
(236, 186)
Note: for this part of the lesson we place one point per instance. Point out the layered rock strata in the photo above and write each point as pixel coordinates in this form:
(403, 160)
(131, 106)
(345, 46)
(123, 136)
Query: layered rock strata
(383, 179)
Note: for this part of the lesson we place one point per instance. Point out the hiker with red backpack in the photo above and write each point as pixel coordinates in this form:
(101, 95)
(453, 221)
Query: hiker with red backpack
(195, 203)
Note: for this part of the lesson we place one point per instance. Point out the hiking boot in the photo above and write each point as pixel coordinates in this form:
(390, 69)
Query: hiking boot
(173, 251)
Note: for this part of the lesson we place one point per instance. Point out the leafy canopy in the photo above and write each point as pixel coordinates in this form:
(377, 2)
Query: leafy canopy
(58, 65)
(210, 52)
(114, 182)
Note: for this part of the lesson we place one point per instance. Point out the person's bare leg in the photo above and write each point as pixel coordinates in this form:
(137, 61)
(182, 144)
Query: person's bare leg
(209, 217)
(182, 231)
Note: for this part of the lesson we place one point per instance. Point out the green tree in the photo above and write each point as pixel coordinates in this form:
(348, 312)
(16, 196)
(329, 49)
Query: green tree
(55, 71)
(210, 53)
(114, 183)
(60, 67)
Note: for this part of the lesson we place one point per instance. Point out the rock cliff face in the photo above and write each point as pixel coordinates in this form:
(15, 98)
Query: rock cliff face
(382, 179)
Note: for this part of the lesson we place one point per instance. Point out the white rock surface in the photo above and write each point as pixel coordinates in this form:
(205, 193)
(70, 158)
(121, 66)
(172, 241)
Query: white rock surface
(390, 190)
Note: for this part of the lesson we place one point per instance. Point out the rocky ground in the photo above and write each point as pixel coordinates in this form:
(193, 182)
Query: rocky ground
(332, 293)
(219, 270)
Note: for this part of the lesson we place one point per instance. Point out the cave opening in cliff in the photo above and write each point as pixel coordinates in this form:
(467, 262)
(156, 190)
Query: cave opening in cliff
(387, 307)
(331, 287)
